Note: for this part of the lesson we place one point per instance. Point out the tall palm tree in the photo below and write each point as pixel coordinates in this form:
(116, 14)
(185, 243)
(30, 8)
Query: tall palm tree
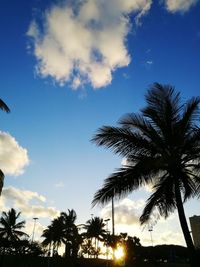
(11, 229)
(162, 148)
(95, 229)
(5, 108)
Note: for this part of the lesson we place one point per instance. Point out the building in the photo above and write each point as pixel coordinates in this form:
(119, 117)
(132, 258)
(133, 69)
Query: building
(195, 227)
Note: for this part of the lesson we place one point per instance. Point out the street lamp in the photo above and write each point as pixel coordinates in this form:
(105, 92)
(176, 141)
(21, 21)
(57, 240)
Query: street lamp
(35, 219)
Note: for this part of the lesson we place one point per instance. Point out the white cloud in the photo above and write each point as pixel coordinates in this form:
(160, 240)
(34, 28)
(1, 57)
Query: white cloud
(164, 236)
(179, 5)
(13, 157)
(149, 62)
(85, 41)
(21, 196)
(126, 211)
(31, 204)
(166, 231)
(59, 184)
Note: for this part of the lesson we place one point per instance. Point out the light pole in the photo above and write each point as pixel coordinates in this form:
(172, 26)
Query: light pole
(113, 217)
(35, 219)
(150, 229)
(106, 221)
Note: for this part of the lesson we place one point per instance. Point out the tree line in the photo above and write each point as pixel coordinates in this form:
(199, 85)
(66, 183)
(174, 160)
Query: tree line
(85, 240)
(79, 241)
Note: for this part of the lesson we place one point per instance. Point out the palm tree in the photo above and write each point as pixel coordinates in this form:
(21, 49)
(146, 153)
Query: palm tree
(161, 145)
(10, 228)
(5, 108)
(54, 235)
(63, 230)
(71, 235)
(95, 229)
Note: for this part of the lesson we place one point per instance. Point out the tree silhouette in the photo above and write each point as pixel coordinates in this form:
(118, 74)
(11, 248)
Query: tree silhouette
(54, 235)
(70, 233)
(5, 108)
(10, 228)
(87, 248)
(63, 230)
(95, 229)
(161, 145)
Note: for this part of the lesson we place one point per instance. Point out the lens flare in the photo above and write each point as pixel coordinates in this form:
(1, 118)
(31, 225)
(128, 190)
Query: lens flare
(119, 253)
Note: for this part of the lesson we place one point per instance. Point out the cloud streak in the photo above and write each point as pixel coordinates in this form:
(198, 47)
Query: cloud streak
(84, 41)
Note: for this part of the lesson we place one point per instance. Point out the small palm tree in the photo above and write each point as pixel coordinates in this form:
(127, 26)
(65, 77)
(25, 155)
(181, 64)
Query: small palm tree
(5, 108)
(53, 235)
(71, 236)
(63, 230)
(11, 229)
(162, 148)
(95, 229)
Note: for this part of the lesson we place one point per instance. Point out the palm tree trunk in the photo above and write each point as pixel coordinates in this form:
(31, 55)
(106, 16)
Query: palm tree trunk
(184, 226)
(96, 256)
(49, 252)
(97, 248)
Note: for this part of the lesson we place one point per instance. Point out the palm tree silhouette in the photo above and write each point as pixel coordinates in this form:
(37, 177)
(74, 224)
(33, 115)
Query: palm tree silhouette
(63, 230)
(53, 235)
(95, 229)
(5, 108)
(10, 228)
(161, 145)
(71, 236)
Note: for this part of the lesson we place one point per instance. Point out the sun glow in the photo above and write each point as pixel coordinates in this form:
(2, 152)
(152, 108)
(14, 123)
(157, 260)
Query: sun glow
(119, 253)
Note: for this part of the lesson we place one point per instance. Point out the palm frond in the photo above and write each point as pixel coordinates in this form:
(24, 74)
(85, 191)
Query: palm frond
(122, 141)
(163, 109)
(3, 106)
(163, 199)
(127, 179)
(190, 115)
(153, 140)
(195, 178)
(187, 186)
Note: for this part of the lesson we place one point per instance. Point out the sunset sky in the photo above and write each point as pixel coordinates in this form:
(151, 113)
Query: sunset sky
(69, 67)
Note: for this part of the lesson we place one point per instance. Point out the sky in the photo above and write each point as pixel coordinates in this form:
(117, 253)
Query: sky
(69, 67)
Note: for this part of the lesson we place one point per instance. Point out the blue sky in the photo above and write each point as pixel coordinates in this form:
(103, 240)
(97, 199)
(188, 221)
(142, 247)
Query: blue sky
(67, 71)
